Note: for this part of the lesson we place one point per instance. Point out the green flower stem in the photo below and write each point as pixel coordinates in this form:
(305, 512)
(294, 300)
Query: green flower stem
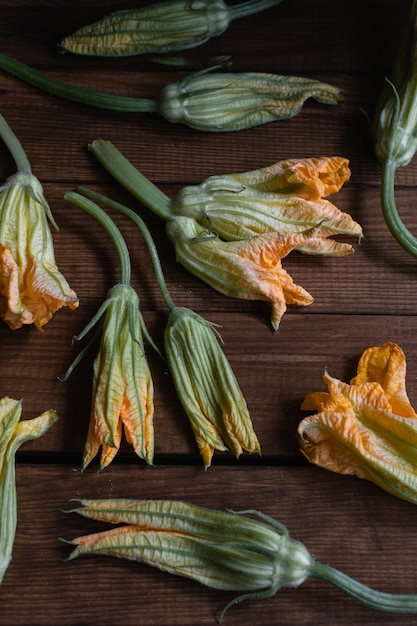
(401, 603)
(14, 146)
(111, 228)
(96, 197)
(398, 229)
(130, 178)
(76, 94)
(250, 7)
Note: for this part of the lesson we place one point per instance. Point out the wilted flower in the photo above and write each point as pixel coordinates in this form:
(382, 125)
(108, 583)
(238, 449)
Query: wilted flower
(122, 394)
(31, 286)
(159, 27)
(249, 269)
(203, 377)
(13, 433)
(286, 197)
(366, 428)
(223, 550)
(206, 386)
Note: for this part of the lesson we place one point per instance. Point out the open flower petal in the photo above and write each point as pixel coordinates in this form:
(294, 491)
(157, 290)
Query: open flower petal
(366, 428)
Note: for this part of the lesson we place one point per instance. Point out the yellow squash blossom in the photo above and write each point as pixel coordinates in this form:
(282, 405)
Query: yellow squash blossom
(204, 380)
(367, 428)
(31, 286)
(122, 393)
(223, 550)
(13, 433)
(249, 269)
(207, 387)
(286, 197)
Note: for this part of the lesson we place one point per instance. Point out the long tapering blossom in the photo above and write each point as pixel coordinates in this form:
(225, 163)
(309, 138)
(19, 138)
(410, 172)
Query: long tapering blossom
(204, 380)
(122, 390)
(367, 428)
(13, 433)
(207, 101)
(223, 550)
(32, 288)
(159, 27)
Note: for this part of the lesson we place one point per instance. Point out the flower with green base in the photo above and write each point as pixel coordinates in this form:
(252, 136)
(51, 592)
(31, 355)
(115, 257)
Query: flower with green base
(32, 288)
(122, 390)
(223, 550)
(13, 433)
(159, 27)
(207, 101)
(395, 128)
(204, 380)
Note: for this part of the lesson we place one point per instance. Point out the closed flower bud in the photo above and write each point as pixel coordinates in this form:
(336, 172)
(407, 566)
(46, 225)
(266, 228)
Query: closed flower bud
(159, 27)
(223, 550)
(206, 386)
(250, 269)
(217, 102)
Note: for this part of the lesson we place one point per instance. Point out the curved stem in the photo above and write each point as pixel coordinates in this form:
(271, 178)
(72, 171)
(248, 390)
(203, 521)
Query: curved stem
(401, 603)
(145, 233)
(81, 95)
(131, 178)
(250, 7)
(14, 146)
(398, 229)
(111, 228)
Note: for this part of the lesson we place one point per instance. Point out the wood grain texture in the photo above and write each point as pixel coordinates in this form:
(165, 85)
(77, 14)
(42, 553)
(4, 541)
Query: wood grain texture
(361, 300)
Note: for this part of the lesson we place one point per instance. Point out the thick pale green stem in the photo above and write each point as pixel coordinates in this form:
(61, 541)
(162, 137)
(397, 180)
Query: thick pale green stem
(250, 7)
(14, 146)
(131, 178)
(111, 229)
(400, 603)
(145, 233)
(398, 229)
(76, 94)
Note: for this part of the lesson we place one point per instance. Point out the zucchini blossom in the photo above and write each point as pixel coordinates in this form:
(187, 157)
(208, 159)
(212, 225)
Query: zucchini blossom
(32, 288)
(166, 26)
(263, 214)
(203, 378)
(229, 551)
(395, 128)
(286, 197)
(250, 269)
(122, 391)
(366, 428)
(206, 101)
(13, 433)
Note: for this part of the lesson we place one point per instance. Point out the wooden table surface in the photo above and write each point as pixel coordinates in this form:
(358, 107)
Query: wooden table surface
(359, 301)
